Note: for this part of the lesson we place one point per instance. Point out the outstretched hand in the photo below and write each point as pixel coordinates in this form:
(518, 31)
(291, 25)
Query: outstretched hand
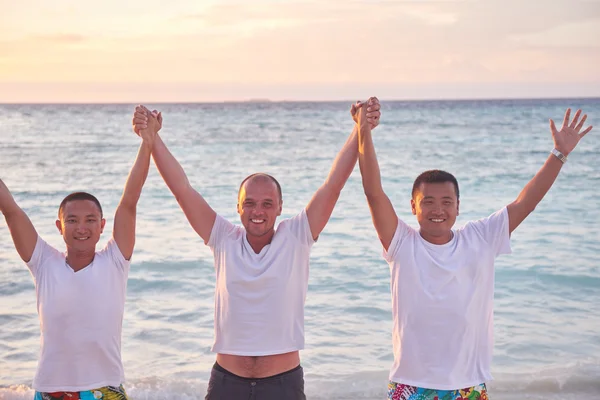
(144, 119)
(372, 112)
(569, 135)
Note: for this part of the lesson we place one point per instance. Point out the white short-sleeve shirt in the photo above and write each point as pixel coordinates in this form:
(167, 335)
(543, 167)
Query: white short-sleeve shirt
(442, 304)
(81, 315)
(259, 298)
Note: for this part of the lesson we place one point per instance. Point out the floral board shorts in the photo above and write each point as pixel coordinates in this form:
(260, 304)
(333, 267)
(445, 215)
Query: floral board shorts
(398, 391)
(104, 393)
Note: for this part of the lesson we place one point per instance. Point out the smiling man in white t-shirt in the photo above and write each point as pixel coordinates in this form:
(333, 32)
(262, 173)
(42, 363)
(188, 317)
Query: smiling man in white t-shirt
(261, 272)
(81, 293)
(442, 280)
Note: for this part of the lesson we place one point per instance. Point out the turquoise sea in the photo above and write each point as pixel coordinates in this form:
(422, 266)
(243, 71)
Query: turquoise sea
(547, 309)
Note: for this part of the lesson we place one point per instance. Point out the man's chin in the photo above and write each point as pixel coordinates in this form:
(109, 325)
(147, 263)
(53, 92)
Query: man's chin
(83, 244)
(258, 232)
(436, 231)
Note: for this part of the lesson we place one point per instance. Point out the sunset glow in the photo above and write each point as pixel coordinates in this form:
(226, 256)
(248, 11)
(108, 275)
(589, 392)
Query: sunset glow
(127, 51)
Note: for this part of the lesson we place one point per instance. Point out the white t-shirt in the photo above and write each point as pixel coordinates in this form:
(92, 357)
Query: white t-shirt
(442, 304)
(81, 315)
(259, 298)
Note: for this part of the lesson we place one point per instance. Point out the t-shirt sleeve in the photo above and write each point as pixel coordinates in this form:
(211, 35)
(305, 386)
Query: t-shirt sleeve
(114, 253)
(494, 230)
(300, 228)
(41, 253)
(220, 230)
(402, 230)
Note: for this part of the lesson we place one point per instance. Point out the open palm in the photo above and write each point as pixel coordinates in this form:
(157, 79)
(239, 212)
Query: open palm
(569, 135)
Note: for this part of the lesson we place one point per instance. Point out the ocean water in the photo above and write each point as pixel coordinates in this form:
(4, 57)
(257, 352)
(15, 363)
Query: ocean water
(547, 312)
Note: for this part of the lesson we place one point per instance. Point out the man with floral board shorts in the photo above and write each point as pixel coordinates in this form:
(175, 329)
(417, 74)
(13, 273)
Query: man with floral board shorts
(442, 279)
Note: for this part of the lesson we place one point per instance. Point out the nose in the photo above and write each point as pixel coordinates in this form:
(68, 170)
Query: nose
(81, 227)
(438, 209)
(259, 210)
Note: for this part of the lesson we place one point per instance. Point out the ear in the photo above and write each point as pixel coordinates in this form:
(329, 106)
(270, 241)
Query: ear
(102, 223)
(413, 206)
(239, 211)
(280, 208)
(457, 207)
(59, 226)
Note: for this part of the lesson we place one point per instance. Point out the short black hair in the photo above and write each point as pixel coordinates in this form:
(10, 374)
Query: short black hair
(261, 174)
(435, 176)
(78, 196)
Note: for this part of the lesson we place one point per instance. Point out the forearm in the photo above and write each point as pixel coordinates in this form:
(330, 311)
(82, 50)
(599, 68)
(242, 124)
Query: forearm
(137, 176)
(170, 169)
(541, 183)
(344, 163)
(367, 161)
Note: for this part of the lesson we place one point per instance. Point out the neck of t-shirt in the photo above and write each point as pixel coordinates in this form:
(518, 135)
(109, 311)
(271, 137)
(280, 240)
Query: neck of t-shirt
(259, 242)
(438, 240)
(78, 260)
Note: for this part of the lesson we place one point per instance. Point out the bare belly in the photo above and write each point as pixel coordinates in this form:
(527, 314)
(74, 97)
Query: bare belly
(259, 366)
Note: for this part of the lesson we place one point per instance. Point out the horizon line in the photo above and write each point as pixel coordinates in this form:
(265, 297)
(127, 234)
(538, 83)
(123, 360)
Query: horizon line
(267, 101)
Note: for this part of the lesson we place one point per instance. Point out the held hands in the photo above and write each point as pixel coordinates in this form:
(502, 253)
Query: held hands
(146, 124)
(368, 112)
(567, 138)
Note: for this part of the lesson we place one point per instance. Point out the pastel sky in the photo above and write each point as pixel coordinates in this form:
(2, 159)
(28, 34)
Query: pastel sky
(203, 50)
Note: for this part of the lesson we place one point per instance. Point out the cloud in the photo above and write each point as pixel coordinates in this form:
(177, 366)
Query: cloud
(61, 38)
(451, 25)
(328, 42)
(580, 34)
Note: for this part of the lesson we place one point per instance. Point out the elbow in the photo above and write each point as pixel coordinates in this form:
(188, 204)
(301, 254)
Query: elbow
(528, 205)
(181, 192)
(373, 195)
(372, 190)
(523, 207)
(129, 205)
(334, 187)
(9, 208)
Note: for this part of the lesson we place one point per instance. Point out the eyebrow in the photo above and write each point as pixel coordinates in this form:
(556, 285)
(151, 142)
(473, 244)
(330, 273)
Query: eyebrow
(75, 216)
(251, 199)
(432, 197)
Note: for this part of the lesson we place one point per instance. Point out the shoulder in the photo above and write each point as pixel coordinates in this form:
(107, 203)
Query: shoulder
(229, 229)
(487, 229)
(496, 218)
(287, 223)
(44, 253)
(405, 235)
(224, 231)
(111, 254)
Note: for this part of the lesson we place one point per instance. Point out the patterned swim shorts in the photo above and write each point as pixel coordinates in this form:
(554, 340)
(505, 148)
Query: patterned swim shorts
(398, 391)
(104, 393)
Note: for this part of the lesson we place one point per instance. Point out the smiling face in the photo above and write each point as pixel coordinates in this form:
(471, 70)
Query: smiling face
(259, 205)
(436, 207)
(81, 225)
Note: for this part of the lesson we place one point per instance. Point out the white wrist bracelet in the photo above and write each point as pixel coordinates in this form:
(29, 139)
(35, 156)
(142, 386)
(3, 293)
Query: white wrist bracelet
(559, 155)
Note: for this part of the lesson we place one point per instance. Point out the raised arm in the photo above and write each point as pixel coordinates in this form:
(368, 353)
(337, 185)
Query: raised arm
(382, 211)
(21, 229)
(125, 215)
(197, 211)
(565, 141)
(321, 205)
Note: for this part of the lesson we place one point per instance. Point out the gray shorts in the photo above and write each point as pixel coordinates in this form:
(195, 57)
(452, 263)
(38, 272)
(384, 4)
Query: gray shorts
(223, 385)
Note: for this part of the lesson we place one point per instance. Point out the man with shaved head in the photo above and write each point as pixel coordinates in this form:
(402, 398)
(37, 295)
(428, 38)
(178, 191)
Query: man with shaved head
(261, 271)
